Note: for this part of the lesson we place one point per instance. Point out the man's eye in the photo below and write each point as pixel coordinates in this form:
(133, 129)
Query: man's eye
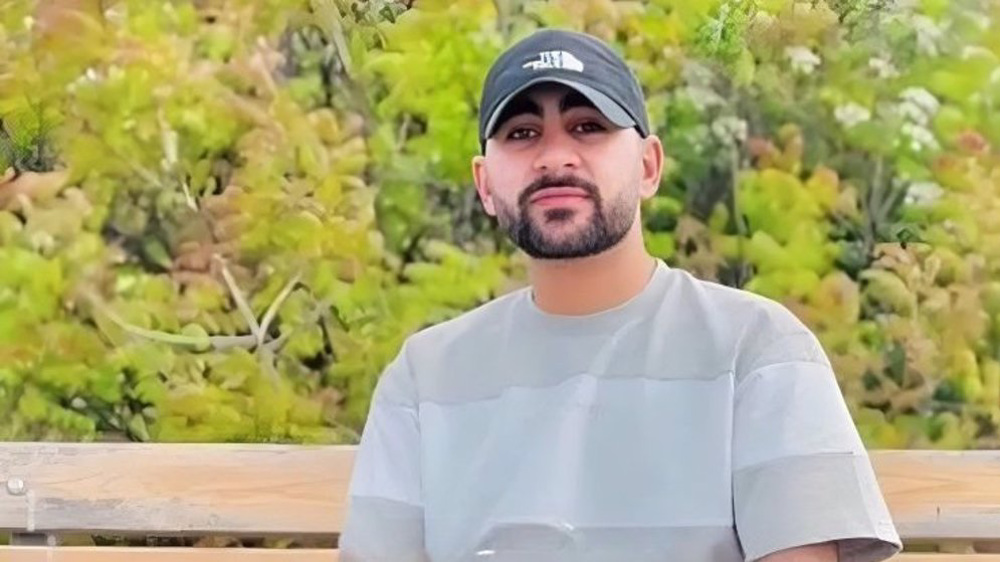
(520, 133)
(589, 127)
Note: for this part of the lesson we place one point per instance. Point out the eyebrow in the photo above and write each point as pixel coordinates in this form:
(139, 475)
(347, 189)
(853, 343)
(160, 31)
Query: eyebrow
(524, 105)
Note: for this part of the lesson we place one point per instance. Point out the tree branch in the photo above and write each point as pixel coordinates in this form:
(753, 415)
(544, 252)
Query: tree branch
(241, 302)
(273, 309)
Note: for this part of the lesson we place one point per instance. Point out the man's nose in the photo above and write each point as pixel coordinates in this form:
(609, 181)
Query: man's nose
(556, 153)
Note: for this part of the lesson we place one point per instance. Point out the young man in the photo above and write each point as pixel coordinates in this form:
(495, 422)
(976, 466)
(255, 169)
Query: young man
(617, 409)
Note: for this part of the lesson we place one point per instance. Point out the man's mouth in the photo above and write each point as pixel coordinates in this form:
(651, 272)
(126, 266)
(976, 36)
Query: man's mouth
(550, 196)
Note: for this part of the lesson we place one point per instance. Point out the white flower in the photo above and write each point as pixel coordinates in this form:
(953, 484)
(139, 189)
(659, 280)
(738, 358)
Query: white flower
(852, 114)
(883, 69)
(922, 98)
(697, 75)
(803, 59)
(918, 106)
(29, 23)
(728, 128)
(920, 137)
(928, 34)
(703, 98)
(923, 193)
(913, 113)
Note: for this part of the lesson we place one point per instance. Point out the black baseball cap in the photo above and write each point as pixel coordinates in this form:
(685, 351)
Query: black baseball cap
(580, 61)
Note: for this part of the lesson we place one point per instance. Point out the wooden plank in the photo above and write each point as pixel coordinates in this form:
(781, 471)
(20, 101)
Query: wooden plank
(173, 488)
(103, 554)
(941, 494)
(272, 489)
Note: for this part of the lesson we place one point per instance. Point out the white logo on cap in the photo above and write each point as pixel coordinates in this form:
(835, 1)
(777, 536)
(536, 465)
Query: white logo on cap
(555, 59)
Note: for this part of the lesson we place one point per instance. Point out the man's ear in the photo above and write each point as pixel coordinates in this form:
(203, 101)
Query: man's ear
(481, 178)
(652, 166)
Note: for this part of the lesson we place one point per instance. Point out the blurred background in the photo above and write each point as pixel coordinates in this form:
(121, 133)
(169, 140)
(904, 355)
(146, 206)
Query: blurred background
(219, 219)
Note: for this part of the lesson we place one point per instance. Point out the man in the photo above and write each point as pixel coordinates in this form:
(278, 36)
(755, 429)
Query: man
(617, 409)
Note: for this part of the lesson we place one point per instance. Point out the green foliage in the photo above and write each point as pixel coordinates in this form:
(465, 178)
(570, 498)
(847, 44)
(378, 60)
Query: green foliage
(847, 169)
(192, 254)
(219, 220)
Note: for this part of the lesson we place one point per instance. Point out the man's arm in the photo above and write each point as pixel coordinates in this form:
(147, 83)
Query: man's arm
(824, 552)
(801, 474)
(385, 515)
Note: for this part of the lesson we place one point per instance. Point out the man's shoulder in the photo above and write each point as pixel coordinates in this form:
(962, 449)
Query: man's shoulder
(478, 323)
(735, 305)
(755, 329)
(449, 359)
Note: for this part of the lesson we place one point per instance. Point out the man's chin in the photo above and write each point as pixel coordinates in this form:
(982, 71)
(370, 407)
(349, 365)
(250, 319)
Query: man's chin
(560, 237)
(560, 248)
(560, 254)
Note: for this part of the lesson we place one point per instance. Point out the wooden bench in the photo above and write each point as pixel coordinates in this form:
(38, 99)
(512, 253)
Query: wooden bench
(50, 490)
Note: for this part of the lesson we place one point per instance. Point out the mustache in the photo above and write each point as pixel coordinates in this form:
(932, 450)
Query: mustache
(566, 180)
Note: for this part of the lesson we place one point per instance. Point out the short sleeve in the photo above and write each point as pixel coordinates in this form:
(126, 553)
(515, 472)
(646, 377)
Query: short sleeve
(801, 474)
(385, 515)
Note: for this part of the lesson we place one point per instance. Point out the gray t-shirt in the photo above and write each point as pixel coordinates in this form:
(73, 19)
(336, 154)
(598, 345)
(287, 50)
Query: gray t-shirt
(694, 422)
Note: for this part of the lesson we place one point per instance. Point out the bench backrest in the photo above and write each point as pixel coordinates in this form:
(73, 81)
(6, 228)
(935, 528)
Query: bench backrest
(46, 489)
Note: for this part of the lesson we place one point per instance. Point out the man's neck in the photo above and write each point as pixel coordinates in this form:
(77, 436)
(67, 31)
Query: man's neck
(589, 285)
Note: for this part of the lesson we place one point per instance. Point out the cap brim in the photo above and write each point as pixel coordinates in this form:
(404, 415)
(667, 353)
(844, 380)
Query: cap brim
(608, 107)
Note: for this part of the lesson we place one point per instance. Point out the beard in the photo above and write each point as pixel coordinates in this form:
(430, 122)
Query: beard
(608, 224)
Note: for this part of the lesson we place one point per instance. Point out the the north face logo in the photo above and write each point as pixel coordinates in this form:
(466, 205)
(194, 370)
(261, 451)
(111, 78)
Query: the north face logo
(555, 59)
